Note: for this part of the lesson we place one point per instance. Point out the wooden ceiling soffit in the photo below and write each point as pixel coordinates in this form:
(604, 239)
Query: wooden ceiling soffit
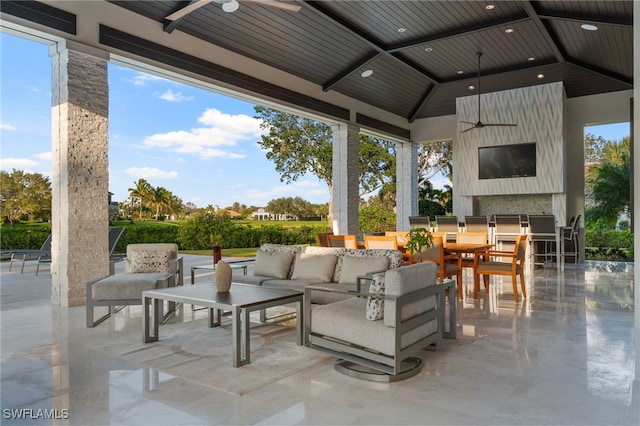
(175, 58)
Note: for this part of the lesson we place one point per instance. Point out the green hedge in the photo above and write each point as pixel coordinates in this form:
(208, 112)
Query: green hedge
(29, 237)
(608, 245)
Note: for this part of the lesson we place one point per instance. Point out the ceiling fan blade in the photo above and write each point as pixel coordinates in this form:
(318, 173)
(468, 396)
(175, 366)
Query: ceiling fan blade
(275, 3)
(470, 128)
(187, 9)
(501, 125)
(467, 122)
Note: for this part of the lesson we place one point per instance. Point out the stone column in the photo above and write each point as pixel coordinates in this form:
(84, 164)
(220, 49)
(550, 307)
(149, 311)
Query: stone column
(80, 175)
(346, 179)
(406, 183)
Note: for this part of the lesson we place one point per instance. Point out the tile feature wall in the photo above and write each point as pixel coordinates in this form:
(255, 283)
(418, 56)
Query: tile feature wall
(539, 113)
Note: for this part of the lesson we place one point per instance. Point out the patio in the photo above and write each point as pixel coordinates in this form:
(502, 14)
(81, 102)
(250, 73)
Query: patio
(566, 355)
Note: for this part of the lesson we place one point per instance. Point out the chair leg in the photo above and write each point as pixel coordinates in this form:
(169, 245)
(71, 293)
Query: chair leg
(476, 285)
(515, 288)
(524, 290)
(459, 283)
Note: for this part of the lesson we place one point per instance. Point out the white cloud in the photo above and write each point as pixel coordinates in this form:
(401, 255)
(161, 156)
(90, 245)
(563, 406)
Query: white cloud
(222, 130)
(172, 96)
(7, 126)
(44, 156)
(150, 173)
(18, 163)
(142, 79)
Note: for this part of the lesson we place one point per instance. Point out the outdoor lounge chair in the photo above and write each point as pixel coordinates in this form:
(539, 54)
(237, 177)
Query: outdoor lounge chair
(379, 337)
(147, 267)
(24, 255)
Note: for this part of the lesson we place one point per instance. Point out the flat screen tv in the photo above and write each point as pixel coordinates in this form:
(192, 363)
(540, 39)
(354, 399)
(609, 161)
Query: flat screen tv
(507, 161)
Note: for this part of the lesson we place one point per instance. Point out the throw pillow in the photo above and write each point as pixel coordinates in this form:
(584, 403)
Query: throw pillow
(143, 261)
(352, 266)
(375, 305)
(275, 265)
(318, 268)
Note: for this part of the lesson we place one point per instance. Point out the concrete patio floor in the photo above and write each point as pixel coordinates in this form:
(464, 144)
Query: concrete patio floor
(565, 355)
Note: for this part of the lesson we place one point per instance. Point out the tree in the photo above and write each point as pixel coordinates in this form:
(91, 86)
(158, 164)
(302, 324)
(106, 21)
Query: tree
(593, 148)
(298, 146)
(609, 182)
(140, 191)
(24, 193)
(434, 158)
(159, 198)
(289, 205)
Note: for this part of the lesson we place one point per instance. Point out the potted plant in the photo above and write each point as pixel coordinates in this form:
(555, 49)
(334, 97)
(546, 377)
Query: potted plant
(418, 239)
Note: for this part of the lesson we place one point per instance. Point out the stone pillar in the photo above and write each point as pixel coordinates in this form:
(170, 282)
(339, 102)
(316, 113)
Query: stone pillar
(346, 179)
(80, 175)
(406, 183)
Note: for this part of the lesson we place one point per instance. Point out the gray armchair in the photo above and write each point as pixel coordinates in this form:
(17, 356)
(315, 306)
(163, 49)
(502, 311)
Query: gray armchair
(147, 267)
(409, 311)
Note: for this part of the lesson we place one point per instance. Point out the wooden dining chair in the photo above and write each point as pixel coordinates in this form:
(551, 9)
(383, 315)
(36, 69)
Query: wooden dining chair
(346, 241)
(322, 239)
(513, 265)
(448, 265)
(380, 242)
(471, 238)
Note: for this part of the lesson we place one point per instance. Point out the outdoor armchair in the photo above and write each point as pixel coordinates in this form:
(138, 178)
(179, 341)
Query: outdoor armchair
(147, 267)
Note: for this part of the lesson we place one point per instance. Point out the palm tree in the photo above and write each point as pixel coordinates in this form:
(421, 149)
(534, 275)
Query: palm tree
(159, 197)
(140, 191)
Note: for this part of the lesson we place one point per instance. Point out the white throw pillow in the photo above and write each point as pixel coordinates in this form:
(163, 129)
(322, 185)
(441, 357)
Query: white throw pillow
(318, 268)
(275, 265)
(352, 266)
(375, 305)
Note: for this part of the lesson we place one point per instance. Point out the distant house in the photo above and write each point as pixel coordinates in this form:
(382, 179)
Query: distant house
(260, 214)
(231, 213)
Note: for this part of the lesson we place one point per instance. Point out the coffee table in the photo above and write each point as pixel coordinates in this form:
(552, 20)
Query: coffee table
(241, 300)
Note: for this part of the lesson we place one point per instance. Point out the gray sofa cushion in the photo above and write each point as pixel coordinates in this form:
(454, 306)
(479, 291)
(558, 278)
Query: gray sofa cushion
(125, 286)
(352, 266)
(321, 297)
(272, 264)
(332, 319)
(311, 267)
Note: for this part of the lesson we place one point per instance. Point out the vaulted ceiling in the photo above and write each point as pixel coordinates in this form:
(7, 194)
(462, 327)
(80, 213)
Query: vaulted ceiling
(421, 54)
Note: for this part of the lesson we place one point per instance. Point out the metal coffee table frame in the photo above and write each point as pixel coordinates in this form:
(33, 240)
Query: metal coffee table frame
(241, 300)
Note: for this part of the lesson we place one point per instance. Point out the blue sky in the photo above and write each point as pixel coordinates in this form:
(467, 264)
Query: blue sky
(200, 145)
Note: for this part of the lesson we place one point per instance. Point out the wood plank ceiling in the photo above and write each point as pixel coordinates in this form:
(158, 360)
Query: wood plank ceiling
(422, 53)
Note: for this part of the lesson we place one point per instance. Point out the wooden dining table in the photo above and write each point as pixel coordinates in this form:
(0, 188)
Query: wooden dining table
(462, 248)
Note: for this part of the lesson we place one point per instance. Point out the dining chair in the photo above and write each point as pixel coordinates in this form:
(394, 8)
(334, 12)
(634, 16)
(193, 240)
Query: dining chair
(507, 228)
(476, 224)
(471, 238)
(346, 241)
(420, 222)
(380, 242)
(492, 262)
(448, 224)
(570, 235)
(448, 265)
(322, 239)
(542, 237)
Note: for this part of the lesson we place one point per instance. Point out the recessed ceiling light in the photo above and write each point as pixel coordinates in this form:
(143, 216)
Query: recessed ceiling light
(508, 30)
(490, 6)
(472, 87)
(428, 49)
(589, 27)
(230, 6)
(402, 30)
(366, 73)
(540, 76)
(531, 59)
(460, 72)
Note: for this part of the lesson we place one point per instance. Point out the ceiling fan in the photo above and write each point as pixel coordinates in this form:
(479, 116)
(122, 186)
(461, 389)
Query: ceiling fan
(479, 124)
(229, 6)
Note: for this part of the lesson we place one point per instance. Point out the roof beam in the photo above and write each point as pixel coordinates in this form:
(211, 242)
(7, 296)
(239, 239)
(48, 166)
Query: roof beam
(348, 72)
(588, 19)
(551, 41)
(601, 72)
(423, 101)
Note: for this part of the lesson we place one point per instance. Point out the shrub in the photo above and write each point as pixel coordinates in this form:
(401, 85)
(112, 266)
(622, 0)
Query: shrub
(608, 244)
(24, 237)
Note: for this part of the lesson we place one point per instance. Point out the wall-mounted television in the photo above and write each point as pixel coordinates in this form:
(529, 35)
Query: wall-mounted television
(507, 161)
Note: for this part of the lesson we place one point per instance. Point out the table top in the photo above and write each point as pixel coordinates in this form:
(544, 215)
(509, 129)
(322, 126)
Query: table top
(241, 295)
(232, 265)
